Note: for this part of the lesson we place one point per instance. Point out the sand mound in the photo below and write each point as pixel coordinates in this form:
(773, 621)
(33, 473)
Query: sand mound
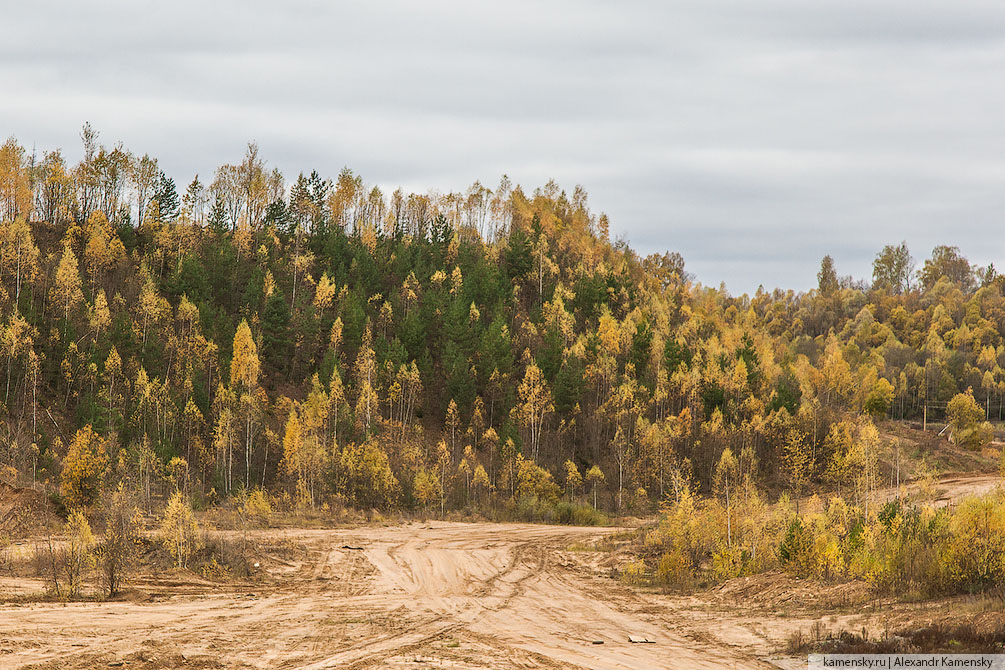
(774, 590)
(23, 510)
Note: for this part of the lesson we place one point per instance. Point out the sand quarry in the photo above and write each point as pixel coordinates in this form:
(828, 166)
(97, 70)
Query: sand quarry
(451, 595)
(437, 595)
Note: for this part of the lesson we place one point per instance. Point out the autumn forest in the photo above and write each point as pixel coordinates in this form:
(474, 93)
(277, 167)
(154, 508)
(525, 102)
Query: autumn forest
(317, 337)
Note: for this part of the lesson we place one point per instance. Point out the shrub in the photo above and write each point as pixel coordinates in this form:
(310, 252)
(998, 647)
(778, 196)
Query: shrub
(673, 572)
(727, 563)
(634, 573)
(797, 549)
(65, 566)
(575, 514)
(534, 481)
(974, 556)
(550, 510)
(967, 420)
(877, 403)
(901, 548)
(179, 530)
(78, 558)
(258, 505)
(688, 527)
(118, 548)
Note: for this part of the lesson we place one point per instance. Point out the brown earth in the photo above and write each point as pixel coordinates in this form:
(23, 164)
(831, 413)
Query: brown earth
(23, 511)
(908, 447)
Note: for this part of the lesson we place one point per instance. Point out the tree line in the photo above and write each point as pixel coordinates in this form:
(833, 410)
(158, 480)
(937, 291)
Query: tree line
(493, 348)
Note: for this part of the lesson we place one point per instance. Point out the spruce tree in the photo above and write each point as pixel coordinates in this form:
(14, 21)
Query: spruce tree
(276, 339)
(167, 198)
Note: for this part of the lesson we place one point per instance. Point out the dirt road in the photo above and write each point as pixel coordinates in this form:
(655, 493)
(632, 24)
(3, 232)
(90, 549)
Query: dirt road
(438, 594)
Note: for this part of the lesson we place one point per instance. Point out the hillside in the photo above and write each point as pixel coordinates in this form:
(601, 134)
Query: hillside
(491, 349)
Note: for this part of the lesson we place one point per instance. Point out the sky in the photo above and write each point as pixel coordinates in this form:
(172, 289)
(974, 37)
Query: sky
(751, 136)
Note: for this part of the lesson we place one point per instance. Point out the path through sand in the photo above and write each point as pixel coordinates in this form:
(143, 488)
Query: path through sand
(454, 595)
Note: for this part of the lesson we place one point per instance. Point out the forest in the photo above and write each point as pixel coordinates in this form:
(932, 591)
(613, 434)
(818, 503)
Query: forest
(328, 344)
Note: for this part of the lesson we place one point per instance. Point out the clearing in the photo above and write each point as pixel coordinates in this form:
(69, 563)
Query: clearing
(448, 595)
(458, 595)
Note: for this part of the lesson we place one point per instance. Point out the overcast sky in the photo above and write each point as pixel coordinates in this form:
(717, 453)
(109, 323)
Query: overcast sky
(753, 136)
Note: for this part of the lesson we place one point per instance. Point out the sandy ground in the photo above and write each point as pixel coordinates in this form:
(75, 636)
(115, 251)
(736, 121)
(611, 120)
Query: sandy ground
(448, 595)
(953, 487)
(438, 595)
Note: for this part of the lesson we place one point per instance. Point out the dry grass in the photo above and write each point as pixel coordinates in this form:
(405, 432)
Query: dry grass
(963, 638)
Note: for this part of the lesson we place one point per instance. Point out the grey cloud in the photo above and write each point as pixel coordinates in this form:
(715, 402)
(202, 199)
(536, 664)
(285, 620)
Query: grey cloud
(754, 137)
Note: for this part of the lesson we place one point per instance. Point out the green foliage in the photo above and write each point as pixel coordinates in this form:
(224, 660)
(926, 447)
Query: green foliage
(827, 280)
(675, 355)
(787, 394)
(166, 196)
(748, 354)
(642, 341)
(569, 385)
(276, 336)
(797, 550)
(519, 258)
(549, 510)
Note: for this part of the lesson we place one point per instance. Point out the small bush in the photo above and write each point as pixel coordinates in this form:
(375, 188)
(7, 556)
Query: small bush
(549, 510)
(727, 563)
(796, 550)
(78, 558)
(673, 572)
(634, 573)
(576, 514)
(179, 530)
(901, 548)
(974, 555)
(65, 566)
(258, 506)
(119, 546)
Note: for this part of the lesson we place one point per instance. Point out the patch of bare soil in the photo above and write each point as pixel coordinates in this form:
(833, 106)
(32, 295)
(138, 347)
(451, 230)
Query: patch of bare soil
(454, 595)
(779, 592)
(936, 451)
(779, 619)
(23, 511)
(451, 595)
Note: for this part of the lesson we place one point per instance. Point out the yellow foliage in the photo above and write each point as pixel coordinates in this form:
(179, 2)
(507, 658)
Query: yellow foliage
(244, 366)
(967, 420)
(66, 290)
(79, 555)
(634, 573)
(179, 530)
(533, 480)
(84, 468)
(258, 505)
